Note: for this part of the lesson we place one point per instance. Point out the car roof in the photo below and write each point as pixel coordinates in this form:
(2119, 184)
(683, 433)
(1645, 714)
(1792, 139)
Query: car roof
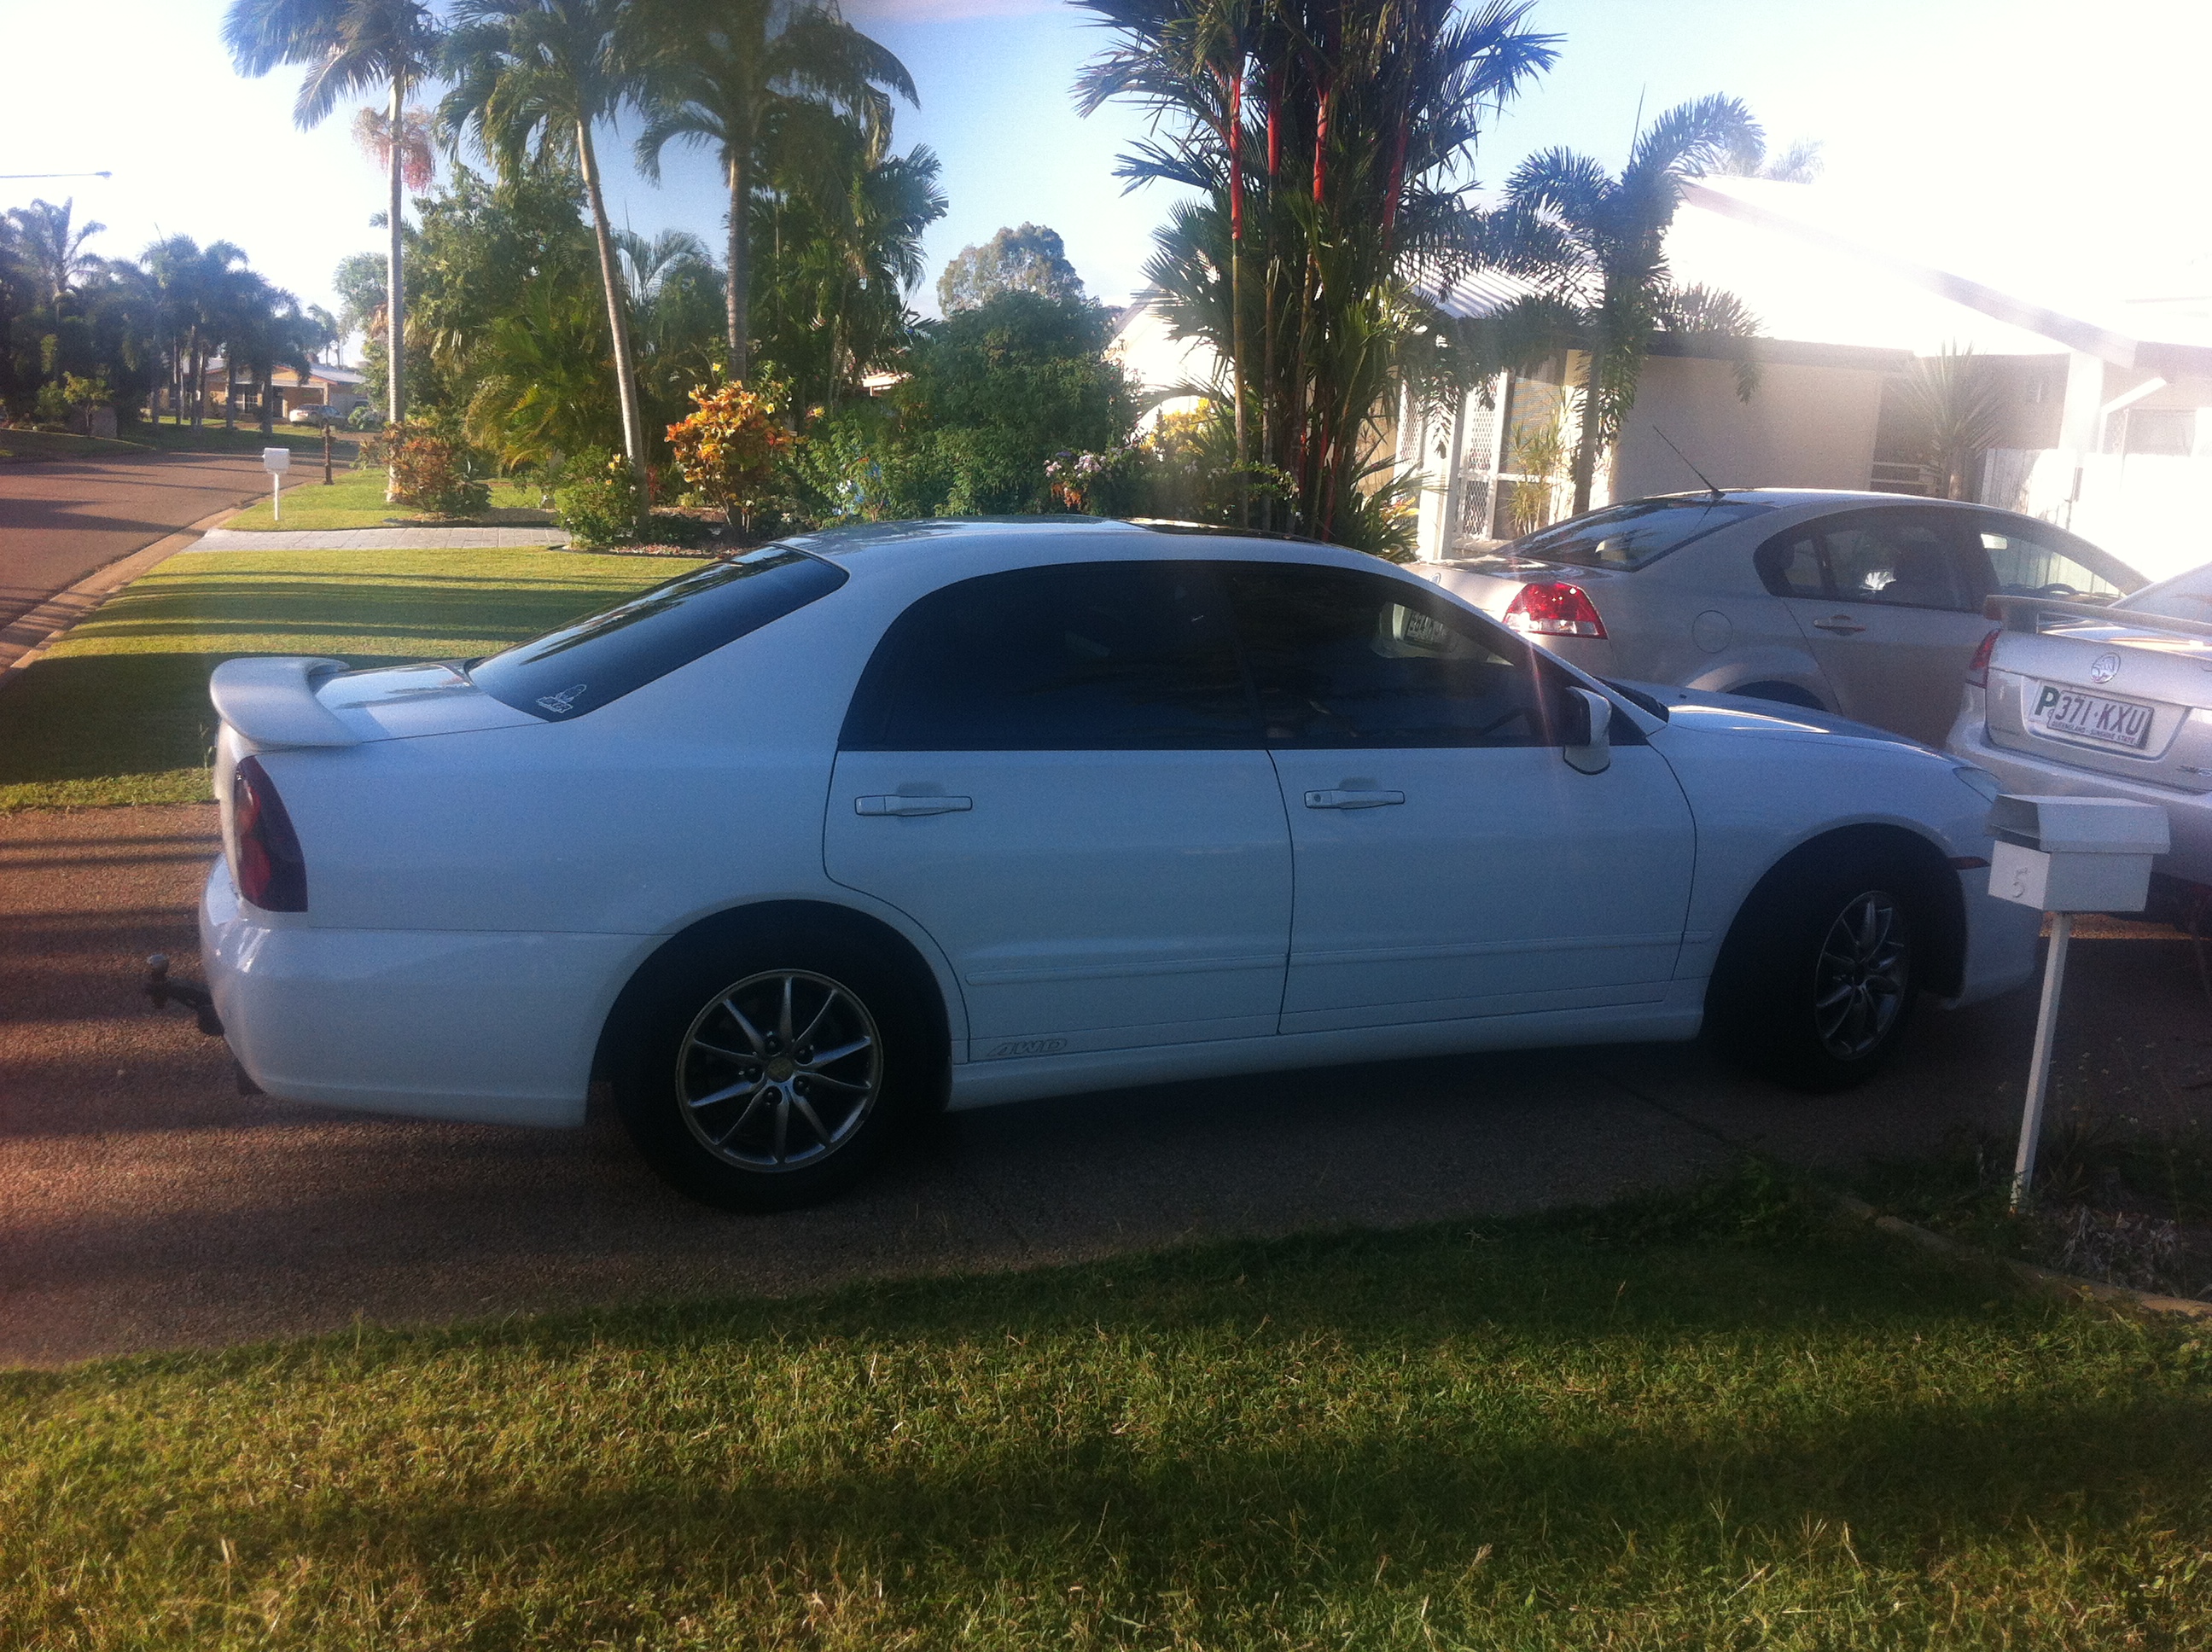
(878, 549)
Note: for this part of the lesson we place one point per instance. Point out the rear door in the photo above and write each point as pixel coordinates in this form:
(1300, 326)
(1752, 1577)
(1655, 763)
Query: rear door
(1450, 863)
(1056, 773)
(1890, 607)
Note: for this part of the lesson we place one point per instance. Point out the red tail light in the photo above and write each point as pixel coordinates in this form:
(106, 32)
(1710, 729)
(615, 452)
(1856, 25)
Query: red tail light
(1978, 668)
(1555, 609)
(271, 872)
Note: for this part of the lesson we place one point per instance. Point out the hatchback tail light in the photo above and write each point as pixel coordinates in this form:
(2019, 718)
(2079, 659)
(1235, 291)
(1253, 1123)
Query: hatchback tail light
(1555, 609)
(1978, 668)
(271, 872)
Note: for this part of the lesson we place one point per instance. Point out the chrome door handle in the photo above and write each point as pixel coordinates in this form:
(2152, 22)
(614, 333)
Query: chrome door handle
(1842, 624)
(1352, 799)
(912, 806)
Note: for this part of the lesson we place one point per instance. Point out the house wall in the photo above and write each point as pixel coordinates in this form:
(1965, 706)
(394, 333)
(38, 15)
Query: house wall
(1804, 427)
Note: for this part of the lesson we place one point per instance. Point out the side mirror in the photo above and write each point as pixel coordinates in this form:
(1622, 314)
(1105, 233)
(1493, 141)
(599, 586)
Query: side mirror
(1588, 724)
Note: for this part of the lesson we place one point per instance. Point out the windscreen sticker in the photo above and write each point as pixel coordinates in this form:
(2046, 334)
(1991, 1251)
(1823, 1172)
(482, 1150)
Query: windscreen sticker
(562, 703)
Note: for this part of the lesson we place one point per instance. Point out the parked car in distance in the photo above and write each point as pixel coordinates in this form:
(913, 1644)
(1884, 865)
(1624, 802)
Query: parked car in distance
(807, 843)
(1864, 604)
(2115, 700)
(314, 414)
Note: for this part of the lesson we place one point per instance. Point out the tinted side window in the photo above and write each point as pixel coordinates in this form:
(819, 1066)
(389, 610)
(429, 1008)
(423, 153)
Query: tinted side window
(1342, 659)
(1896, 557)
(1093, 657)
(1791, 567)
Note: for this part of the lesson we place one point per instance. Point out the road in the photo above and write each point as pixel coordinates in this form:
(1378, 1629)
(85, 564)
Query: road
(62, 518)
(145, 1205)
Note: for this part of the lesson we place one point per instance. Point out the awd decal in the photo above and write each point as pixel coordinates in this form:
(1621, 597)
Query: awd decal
(1025, 1046)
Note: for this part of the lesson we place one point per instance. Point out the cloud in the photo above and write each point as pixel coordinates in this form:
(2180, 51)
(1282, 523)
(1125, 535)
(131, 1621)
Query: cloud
(862, 13)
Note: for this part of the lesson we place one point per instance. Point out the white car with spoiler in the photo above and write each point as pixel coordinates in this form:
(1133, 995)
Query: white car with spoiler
(810, 842)
(2103, 700)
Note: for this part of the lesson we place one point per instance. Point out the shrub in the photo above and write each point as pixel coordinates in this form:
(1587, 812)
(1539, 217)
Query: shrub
(598, 499)
(433, 468)
(727, 449)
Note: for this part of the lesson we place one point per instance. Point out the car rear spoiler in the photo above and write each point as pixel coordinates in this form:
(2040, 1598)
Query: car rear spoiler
(2028, 613)
(272, 701)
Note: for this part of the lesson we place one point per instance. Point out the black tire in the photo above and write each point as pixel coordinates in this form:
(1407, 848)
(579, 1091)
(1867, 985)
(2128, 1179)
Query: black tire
(798, 1121)
(1816, 982)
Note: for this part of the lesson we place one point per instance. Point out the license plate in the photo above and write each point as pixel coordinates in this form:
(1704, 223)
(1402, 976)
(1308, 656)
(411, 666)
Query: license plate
(2079, 716)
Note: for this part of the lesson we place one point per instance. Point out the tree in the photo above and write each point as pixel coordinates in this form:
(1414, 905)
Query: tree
(1749, 157)
(1029, 259)
(730, 75)
(51, 246)
(1339, 135)
(727, 449)
(348, 47)
(1954, 410)
(532, 77)
(196, 291)
(1597, 245)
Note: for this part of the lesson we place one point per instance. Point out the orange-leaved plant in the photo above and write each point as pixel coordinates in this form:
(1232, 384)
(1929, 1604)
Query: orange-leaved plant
(727, 448)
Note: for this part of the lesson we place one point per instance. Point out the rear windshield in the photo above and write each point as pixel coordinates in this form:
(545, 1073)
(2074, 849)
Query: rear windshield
(585, 665)
(2186, 597)
(1626, 536)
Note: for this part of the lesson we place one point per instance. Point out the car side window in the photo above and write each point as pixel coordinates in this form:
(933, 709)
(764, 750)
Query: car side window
(1790, 567)
(1897, 558)
(1341, 659)
(2022, 565)
(1089, 657)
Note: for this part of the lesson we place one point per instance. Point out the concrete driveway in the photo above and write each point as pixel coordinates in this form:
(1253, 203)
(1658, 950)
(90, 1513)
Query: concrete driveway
(62, 518)
(144, 1204)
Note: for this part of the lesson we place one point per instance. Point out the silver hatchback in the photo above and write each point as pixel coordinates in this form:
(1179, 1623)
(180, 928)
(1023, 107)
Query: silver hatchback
(1866, 605)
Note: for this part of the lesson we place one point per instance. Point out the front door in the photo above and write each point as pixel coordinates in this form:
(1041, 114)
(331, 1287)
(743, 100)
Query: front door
(1055, 773)
(1889, 611)
(1450, 863)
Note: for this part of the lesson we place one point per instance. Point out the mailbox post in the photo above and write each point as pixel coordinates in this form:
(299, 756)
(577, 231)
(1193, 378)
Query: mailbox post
(276, 461)
(2064, 855)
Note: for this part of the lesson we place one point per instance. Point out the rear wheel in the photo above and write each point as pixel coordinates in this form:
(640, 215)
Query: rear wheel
(768, 1074)
(1816, 982)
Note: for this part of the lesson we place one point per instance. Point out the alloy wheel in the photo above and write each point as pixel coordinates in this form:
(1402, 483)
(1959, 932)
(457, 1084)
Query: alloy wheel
(779, 1070)
(1862, 977)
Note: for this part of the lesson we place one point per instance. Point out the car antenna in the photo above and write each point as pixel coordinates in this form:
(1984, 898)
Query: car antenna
(1717, 495)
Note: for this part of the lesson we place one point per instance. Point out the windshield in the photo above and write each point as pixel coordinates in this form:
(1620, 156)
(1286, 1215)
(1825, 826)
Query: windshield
(586, 664)
(2185, 597)
(1626, 536)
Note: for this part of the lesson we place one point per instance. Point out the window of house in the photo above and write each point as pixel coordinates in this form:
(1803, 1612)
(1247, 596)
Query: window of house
(1342, 659)
(1089, 657)
(2166, 430)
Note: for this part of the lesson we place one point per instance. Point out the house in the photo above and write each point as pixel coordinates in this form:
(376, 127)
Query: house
(322, 384)
(2107, 404)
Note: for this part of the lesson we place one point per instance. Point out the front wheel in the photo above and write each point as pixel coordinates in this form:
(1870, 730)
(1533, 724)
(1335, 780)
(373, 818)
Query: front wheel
(768, 1076)
(1816, 982)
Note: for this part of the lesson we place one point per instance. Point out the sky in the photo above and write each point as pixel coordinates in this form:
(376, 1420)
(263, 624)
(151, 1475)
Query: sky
(2068, 138)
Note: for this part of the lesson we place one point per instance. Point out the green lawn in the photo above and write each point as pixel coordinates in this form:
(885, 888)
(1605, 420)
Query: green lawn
(355, 499)
(1537, 1434)
(165, 433)
(50, 445)
(118, 713)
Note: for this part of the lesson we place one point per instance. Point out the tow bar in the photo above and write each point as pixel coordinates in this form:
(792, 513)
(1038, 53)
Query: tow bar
(162, 993)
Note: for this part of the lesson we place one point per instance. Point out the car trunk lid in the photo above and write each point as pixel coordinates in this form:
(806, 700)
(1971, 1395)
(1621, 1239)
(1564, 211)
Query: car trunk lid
(2103, 690)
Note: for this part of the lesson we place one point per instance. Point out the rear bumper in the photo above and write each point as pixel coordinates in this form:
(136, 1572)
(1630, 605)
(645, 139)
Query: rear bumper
(497, 1029)
(2188, 815)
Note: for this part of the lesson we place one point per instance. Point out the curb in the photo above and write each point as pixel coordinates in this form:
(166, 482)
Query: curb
(29, 635)
(2046, 1281)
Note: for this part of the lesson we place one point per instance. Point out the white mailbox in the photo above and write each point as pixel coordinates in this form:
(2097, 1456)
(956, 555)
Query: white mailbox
(2075, 854)
(275, 460)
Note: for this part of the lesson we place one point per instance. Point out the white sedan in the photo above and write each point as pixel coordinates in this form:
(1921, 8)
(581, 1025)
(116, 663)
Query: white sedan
(808, 842)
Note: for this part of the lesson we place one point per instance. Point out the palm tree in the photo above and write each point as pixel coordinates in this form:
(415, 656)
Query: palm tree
(51, 246)
(347, 47)
(1597, 244)
(195, 288)
(728, 74)
(1342, 132)
(1953, 409)
(531, 79)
